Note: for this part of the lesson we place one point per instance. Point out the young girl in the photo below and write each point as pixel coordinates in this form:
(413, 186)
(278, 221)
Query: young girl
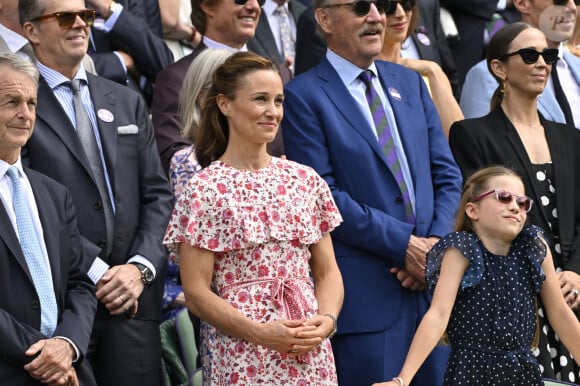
(485, 277)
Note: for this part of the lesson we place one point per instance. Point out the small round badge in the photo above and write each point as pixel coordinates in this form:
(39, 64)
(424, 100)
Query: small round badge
(395, 93)
(424, 39)
(105, 115)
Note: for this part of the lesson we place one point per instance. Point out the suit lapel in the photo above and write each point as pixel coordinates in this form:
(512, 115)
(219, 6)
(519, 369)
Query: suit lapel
(41, 196)
(8, 235)
(51, 112)
(339, 95)
(573, 63)
(265, 38)
(103, 101)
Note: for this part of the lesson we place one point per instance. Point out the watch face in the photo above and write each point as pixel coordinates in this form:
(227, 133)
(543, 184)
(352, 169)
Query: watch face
(147, 276)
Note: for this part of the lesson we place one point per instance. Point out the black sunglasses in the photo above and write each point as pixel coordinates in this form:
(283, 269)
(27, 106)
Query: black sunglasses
(503, 196)
(67, 19)
(243, 2)
(363, 7)
(406, 4)
(530, 55)
(561, 2)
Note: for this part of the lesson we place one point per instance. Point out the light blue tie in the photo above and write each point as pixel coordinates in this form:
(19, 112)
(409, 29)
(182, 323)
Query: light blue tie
(41, 276)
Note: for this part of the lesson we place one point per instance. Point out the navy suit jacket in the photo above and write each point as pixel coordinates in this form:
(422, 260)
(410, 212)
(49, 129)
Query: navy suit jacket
(324, 128)
(19, 302)
(142, 196)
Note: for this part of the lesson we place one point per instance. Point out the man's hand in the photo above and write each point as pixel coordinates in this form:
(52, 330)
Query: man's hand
(416, 256)
(570, 287)
(120, 288)
(407, 280)
(53, 365)
(101, 6)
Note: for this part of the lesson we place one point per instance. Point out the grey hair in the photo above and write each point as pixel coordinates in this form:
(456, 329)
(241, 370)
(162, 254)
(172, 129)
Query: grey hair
(29, 10)
(18, 64)
(198, 78)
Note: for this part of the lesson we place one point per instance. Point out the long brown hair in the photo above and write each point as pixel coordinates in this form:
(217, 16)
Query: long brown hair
(213, 134)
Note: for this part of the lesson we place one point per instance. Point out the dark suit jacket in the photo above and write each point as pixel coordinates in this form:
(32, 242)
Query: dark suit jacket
(263, 42)
(141, 192)
(137, 32)
(324, 128)
(492, 140)
(19, 302)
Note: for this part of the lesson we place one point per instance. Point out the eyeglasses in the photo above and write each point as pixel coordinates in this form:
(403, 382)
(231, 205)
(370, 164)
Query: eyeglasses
(562, 2)
(530, 55)
(243, 2)
(406, 4)
(67, 19)
(363, 7)
(503, 196)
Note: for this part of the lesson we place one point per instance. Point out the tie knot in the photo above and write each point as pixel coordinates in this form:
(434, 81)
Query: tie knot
(75, 85)
(280, 10)
(13, 173)
(367, 77)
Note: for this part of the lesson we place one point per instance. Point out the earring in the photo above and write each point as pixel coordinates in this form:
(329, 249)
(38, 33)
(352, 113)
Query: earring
(504, 87)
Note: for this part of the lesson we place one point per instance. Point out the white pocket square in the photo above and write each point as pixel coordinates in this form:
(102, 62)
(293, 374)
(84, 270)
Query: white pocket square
(128, 129)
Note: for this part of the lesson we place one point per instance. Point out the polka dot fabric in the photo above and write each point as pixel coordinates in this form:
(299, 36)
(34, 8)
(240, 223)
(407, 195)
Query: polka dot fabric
(492, 324)
(555, 359)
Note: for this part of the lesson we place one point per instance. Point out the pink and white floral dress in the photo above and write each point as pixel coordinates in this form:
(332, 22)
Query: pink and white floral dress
(260, 224)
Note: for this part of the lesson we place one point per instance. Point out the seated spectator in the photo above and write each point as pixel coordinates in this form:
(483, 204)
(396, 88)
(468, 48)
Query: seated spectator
(544, 153)
(400, 23)
(178, 31)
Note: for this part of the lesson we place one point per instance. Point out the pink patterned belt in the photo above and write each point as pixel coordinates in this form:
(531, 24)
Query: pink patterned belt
(286, 294)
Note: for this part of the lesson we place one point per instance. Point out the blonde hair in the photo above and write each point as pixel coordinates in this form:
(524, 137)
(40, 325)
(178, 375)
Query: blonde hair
(197, 79)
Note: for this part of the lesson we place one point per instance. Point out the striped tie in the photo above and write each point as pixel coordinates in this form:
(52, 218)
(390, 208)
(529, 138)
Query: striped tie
(386, 141)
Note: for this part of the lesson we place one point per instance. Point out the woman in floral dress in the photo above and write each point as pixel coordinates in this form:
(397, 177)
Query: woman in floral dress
(252, 235)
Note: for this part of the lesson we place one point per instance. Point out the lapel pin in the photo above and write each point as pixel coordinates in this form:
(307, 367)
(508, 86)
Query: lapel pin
(424, 39)
(105, 115)
(394, 93)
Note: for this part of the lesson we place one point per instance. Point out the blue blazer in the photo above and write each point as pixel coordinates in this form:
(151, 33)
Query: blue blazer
(324, 128)
(480, 85)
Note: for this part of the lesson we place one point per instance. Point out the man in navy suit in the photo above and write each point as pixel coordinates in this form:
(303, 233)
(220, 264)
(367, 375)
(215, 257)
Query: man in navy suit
(29, 356)
(94, 136)
(392, 216)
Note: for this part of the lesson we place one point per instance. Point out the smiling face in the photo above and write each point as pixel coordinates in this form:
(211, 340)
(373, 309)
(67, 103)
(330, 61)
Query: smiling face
(230, 23)
(496, 222)
(255, 112)
(358, 39)
(61, 49)
(17, 112)
(524, 79)
(398, 26)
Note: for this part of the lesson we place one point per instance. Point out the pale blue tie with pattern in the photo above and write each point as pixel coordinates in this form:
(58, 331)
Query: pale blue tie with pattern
(386, 141)
(41, 276)
(288, 49)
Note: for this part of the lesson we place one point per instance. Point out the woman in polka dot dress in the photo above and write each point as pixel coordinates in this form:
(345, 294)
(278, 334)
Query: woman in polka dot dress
(545, 154)
(484, 279)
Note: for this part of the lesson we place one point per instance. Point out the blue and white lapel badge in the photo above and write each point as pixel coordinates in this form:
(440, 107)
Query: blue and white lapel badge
(395, 93)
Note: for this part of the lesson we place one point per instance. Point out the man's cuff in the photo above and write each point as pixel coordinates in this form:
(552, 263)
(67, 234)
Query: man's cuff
(112, 20)
(121, 60)
(142, 260)
(74, 346)
(97, 270)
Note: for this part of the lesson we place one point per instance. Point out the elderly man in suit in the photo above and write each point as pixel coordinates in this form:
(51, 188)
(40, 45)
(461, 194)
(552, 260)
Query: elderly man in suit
(370, 129)
(94, 136)
(480, 85)
(224, 24)
(45, 329)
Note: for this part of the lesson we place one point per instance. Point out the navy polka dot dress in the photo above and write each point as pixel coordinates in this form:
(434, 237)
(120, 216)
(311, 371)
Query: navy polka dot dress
(492, 324)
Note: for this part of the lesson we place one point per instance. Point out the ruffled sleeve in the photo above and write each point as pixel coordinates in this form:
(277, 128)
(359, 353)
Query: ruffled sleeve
(225, 214)
(469, 246)
(531, 239)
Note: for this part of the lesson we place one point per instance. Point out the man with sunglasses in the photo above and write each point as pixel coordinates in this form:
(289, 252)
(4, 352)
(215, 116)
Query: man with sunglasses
(557, 102)
(224, 24)
(94, 136)
(370, 129)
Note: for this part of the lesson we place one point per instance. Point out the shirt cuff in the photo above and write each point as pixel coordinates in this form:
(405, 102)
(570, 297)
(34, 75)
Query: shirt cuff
(74, 346)
(142, 260)
(112, 20)
(97, 270)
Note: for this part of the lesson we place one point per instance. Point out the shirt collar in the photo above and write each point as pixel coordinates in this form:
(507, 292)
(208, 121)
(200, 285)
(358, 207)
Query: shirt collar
(271, 5)
(347, 71)
(54, 78)
(210, 43)
(14, 41)
(4, 166)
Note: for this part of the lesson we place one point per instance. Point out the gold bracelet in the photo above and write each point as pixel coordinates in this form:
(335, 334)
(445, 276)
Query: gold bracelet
(399, 381)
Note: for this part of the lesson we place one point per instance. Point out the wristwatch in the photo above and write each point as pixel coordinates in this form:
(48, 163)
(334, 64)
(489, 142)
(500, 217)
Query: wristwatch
(146, 274)
(334, 327)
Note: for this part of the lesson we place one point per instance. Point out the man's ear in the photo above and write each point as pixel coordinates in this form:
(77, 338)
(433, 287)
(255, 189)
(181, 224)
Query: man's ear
(523, 6)
(322, 20)
(207, 9)
(31, 32)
